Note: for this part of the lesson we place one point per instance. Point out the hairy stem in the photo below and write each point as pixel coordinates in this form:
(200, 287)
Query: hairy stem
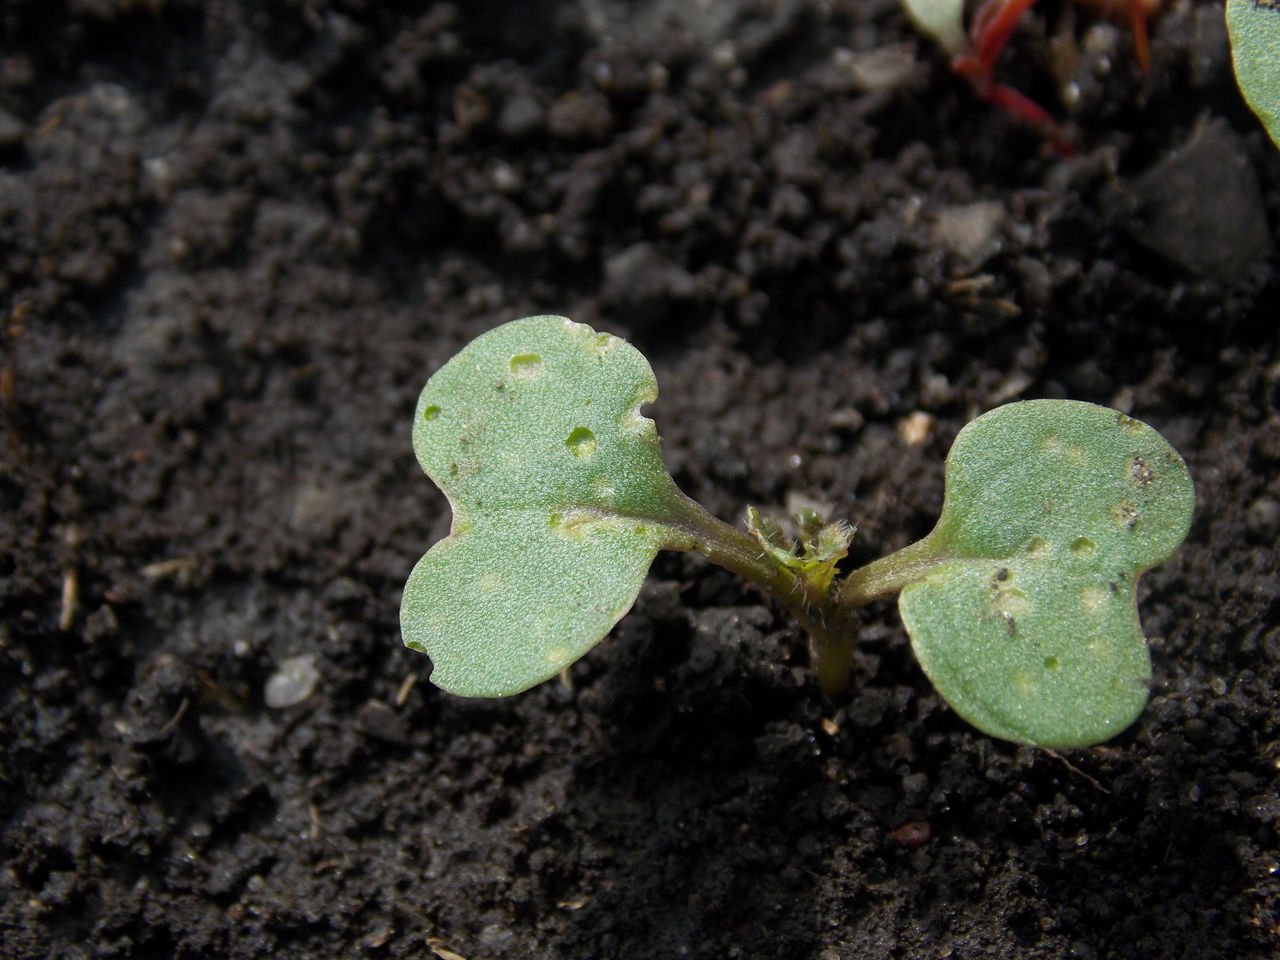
(829, 613)
(736, 550)
(829, 624)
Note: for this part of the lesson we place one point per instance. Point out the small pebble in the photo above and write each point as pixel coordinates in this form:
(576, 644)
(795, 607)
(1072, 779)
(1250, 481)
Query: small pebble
(294, 680)
(914, 428)
(1263, 517)
(12, 130)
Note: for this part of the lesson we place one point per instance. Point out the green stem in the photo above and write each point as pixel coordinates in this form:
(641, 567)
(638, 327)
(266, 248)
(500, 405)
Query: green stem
(830, 614)
(829, 625)
(885, 578)
(736, 550)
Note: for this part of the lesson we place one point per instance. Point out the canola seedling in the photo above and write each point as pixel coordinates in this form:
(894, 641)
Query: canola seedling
(1021, 603)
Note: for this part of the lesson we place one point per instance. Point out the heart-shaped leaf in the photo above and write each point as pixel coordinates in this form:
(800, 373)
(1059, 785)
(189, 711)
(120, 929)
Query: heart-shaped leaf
(560, 501)
(1029, 626)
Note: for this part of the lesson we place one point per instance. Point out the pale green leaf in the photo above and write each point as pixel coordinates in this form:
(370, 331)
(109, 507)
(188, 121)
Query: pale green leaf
(940, 19)
(1254, 29)
(560, 501)
(1029, 628)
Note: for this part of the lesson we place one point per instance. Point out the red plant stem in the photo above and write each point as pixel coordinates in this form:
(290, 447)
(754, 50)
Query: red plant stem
(993, 25)
(1138, 27)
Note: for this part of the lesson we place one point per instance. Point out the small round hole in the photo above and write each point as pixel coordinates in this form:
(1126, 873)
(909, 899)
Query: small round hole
(581, 442)
(526, 365)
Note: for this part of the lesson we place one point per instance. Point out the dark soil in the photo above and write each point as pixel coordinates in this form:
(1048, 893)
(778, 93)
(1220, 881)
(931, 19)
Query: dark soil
(237, 237)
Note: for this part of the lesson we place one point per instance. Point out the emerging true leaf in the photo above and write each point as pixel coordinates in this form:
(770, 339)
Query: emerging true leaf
(814, 557)
(1029, 627)
(1254, 29)
(560, 501)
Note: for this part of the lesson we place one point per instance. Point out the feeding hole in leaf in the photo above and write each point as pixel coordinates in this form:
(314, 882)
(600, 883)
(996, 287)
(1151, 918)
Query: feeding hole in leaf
(601, 344)
(1128, 424)
(525, 366)
(1083, 547)
(1094, 599)
(1141, 473)
(1125, 514)
(581, 443)
(1011, 601)
(1051, 663)
(431, 412)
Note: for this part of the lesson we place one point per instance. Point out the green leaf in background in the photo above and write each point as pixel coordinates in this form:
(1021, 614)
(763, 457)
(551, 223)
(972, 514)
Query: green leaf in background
(1029, 628)
(1254, 29)
(943, 20)
(560, 501)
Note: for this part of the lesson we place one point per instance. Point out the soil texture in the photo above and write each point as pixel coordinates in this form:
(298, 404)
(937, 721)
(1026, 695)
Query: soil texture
(237, 236)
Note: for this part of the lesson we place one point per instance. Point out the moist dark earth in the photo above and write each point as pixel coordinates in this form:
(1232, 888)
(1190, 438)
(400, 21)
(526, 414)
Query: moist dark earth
(237, 237)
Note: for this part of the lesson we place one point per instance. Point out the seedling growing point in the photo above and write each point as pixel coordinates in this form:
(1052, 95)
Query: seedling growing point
(1021, 603)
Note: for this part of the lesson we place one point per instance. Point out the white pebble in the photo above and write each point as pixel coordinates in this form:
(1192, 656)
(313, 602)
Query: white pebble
(293, 681)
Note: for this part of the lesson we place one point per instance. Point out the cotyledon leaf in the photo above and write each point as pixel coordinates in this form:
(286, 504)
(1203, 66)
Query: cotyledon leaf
(1254, 29)
(560, 502)
(1029, 626)
(943, 20)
